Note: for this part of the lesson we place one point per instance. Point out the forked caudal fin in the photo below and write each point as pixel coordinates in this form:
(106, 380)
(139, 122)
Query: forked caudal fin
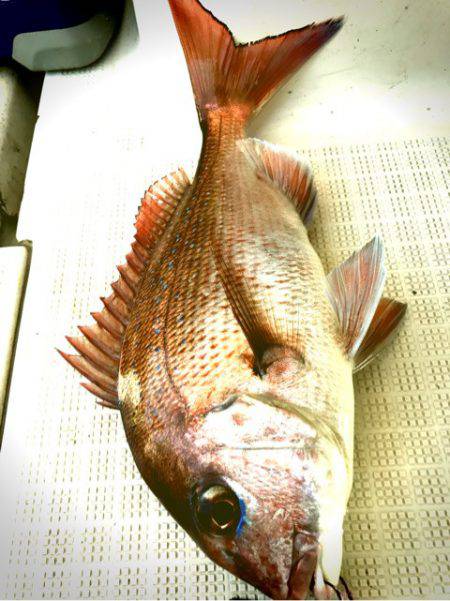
(225, 73)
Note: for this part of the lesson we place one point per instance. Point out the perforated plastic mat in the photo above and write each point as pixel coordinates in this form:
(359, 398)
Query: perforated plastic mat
(76, 519)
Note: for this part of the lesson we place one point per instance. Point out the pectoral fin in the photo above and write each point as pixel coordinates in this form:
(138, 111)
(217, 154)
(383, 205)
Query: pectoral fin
(383, 326)
(261, 276)
(255, 313)
(355, 289)
(262, 254)
(286, 170)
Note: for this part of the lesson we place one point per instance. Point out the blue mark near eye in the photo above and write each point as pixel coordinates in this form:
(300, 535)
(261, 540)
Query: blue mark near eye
(170, 264)
(157, 349)
(242, 521)
(158, 299)
(157, 331)
(180, 318)
(158, 368)
(183, 341)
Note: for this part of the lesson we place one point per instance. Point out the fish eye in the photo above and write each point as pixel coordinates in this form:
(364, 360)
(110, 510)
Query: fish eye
(217, 509)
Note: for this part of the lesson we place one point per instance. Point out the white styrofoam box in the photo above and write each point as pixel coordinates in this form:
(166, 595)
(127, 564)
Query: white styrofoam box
(77, 519)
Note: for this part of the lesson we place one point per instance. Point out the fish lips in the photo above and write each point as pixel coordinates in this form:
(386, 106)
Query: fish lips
(304, 562)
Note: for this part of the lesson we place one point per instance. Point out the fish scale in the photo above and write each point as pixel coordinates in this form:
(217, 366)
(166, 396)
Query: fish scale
(214, 341)
(293, 270)
(262, 233)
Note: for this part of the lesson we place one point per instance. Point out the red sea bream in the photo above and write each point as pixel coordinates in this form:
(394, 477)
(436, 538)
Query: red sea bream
(224, 345)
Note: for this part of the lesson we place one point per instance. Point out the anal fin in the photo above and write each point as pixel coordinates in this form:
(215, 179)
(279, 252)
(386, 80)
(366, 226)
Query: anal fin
(287, 171)
(100, 344)
(355, 289)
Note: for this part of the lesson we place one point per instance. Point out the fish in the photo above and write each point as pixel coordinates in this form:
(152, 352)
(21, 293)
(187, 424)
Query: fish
(226, 348)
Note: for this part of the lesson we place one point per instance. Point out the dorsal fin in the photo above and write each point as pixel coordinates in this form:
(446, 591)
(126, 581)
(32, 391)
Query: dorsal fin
(355, 289)
(291, 174)
(100, 344)
(384, 324)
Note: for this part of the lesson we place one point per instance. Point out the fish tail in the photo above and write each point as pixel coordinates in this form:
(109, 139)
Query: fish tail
(227, 74)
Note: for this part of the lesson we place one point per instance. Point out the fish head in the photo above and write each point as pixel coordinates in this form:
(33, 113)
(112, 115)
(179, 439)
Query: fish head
(265, 498)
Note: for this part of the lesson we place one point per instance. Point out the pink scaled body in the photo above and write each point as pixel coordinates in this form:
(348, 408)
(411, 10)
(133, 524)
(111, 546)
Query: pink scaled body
(227, 349)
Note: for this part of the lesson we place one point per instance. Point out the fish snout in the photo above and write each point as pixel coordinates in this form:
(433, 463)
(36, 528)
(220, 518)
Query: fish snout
(304, 561)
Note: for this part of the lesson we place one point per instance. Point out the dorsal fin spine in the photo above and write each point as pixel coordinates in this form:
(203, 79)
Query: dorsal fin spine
(92, 354)
(96, 336)
(126, 273)
(135, 263)
(100, 344)
(108, 323)
(97, 376)
(106, 398)
(121, 288)
(114, 310)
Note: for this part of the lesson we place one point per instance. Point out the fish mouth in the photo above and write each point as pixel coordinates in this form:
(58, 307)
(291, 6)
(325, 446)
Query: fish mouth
(302, 574)
(305, 556)
(306, 573)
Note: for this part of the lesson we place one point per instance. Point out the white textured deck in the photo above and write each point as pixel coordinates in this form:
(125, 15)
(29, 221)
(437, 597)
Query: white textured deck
(76, 518)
